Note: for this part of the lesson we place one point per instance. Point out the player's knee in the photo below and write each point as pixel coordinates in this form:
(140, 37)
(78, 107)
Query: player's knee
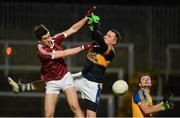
(76, 110)
(74, 107)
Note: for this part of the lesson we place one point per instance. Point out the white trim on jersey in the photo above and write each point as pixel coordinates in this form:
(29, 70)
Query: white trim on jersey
(53, 52)
(44, 51)
(65, 35)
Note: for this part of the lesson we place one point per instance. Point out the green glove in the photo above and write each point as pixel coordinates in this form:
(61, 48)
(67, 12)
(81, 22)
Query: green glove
(94, 22)
(168, 98)
(93, 18)
(168, 105)
(168, 102)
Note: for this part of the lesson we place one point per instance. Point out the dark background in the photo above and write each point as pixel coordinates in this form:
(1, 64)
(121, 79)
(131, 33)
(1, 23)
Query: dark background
(150, 25)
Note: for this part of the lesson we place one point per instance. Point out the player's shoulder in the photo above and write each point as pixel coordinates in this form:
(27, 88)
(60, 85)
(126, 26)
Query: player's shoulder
(43, 50)
(135, 94)
(136, 97)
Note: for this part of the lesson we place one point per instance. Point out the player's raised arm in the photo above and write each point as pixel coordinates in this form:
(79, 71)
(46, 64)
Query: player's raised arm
(78, 25)
(74, 28)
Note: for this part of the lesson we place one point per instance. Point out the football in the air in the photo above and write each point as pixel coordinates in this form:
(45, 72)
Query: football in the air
(120, 87)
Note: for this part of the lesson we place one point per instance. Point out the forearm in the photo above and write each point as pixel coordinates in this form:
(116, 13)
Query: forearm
(152, 109)
(156, 108)
(74, 28)
(79, 24)
(67, 52)
(98, 37)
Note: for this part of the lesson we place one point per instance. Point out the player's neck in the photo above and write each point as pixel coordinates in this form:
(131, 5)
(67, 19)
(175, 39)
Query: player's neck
(146, 89)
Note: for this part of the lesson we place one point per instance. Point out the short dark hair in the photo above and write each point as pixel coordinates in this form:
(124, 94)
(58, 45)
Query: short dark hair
(117, 34)
(141, 75)
(39, 31)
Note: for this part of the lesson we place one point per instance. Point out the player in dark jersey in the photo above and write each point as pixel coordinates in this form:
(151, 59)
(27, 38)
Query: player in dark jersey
(142, 105)
(54, 73)
(97, 61)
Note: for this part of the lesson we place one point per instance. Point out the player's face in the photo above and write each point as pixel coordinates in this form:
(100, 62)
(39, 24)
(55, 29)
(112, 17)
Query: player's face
(110, 38)
(145, 81)
(46, 40)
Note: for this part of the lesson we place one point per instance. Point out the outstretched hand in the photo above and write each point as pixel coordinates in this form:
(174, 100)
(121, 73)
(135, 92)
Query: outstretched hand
(168, 101)
(168, 98)
(94, 22)
(168, 105)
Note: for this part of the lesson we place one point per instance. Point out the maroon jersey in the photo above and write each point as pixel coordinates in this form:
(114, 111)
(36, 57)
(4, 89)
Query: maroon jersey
(52, 69)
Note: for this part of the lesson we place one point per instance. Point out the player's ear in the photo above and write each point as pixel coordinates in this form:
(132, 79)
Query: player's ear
(140, 85)
(39, 41)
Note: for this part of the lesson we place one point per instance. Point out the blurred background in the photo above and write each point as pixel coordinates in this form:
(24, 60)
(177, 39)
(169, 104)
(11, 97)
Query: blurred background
(151, 43)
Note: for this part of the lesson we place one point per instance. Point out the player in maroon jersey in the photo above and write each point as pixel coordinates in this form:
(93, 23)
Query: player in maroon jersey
(54, 72)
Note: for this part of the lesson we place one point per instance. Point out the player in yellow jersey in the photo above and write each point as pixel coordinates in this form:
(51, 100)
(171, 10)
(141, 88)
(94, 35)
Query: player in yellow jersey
(142, 105)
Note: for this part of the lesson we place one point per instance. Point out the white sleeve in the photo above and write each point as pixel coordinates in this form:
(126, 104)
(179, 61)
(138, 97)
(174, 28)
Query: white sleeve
(65, 35)
(53, 53)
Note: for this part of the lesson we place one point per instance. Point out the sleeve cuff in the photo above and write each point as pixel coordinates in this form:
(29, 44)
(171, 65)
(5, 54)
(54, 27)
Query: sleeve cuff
(65, 35)
(53, 53)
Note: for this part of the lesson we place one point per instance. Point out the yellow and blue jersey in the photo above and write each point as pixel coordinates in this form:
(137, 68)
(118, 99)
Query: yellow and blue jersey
(98, 59)
(138, 98)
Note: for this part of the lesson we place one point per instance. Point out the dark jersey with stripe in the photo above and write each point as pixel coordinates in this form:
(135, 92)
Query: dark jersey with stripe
(98, 59)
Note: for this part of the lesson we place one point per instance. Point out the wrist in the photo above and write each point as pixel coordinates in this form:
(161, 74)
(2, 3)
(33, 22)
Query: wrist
(165, 106)
(162, 106)
(82, 47)
(86, 17)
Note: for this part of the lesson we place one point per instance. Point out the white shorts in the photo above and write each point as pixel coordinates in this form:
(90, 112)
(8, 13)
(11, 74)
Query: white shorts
(55, 86)
(89, 90)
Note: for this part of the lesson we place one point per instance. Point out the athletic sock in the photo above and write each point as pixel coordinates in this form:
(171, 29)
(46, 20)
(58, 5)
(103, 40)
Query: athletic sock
(25, 87)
